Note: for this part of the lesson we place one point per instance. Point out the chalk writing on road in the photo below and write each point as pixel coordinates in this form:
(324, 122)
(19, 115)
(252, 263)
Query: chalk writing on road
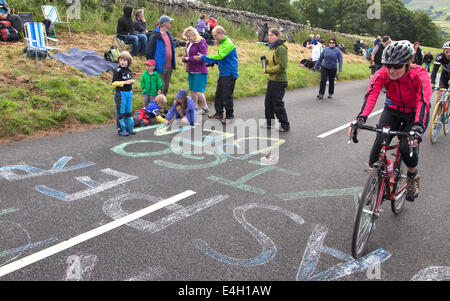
(80, 267)
(94, 186)
(113, 209)
(8, 173)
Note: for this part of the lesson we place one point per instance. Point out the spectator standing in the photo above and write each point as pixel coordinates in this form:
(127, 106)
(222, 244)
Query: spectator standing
(418, 55)
(328, 61)
(377, 54)
(151, 83)
(262, 36)
(276, 86)
(126, 32)
(377, 40)
(123, 96)
(161, 48)
(427, 59)
(197, 70)
(5, 15)
(227, 60)
(317, 51)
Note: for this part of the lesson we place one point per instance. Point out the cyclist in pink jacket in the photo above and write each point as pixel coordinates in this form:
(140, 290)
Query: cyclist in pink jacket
(407, 104)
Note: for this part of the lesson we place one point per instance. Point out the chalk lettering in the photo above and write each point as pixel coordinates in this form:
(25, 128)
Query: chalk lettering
(94, 186)
(269, 248)
(8, 173)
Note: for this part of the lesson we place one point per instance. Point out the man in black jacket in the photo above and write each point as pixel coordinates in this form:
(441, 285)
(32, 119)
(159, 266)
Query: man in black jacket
(126, 32)
(377, 54)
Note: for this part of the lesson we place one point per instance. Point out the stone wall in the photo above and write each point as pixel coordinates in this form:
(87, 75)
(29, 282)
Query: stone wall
(251, 19)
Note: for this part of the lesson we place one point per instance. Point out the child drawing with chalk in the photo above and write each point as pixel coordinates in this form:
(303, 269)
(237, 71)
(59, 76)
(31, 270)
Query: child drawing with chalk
(123, 96)
(153, 112)
(183, 109)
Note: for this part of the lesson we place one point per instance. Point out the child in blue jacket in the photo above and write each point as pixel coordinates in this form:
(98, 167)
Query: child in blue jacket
(183, 108)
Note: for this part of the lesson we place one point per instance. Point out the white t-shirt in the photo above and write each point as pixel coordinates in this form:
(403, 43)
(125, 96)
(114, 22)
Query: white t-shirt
(316, 51)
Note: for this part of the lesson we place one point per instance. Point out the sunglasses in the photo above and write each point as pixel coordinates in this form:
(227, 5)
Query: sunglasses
(395, 66)
(331, 42)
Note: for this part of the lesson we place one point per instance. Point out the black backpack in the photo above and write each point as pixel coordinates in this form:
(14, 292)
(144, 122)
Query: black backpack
(7, 32)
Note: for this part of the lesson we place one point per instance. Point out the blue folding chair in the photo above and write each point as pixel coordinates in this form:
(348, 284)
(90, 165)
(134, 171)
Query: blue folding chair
(37, 39)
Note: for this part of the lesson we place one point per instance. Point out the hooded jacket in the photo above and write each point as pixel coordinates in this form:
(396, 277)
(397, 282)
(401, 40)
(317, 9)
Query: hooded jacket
(125, 23)
(409, 94)
(156, 50)
(277, 64)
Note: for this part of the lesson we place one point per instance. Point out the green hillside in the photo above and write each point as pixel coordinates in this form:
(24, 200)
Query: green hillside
(438, 10)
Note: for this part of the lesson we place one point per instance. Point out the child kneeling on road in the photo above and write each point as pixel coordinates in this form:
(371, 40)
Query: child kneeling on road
(183, 108)
(123, 97)
(152, 112)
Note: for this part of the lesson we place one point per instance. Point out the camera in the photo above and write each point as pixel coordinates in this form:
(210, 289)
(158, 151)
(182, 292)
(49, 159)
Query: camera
(210, 64)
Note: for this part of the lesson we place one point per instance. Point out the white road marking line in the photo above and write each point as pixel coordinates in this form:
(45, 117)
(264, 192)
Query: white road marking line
(345, 126)
(18, 264)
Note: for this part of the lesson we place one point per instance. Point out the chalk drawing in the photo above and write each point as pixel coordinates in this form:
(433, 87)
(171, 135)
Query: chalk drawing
(80, 267)
(148, 127)
(315, 248)
(10, 236)
(163, 130)
(94, 186)
(219, 160)
(151, 274)
(8, 173)
(254, 150)
(352, 191)
(8, 210)
(120, 149)
(240, 183)
(269, 248)
(437, 273)
(113, 209)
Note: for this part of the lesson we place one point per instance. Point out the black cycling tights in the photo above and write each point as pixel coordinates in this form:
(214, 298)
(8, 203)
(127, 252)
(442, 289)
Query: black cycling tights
(397, 122)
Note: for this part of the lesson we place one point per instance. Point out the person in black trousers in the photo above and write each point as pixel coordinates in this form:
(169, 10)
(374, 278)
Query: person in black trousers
(276, 68)
(328, 61)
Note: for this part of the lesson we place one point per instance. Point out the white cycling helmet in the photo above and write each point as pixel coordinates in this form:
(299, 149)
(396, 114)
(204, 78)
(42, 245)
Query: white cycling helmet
(398, 53)
(446, 45)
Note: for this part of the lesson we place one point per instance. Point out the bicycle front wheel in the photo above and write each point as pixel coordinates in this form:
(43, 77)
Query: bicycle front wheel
(366, 214)
(436, 123)
(399, 189)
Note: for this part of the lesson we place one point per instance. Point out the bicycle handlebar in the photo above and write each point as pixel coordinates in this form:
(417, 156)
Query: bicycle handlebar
(353, 134)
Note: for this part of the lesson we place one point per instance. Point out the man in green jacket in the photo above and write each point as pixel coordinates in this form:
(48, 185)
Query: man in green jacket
(276, 68)
(151, 82)
(227, 60)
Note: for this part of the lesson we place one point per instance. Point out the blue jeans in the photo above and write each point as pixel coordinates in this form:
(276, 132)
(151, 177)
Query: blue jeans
(138, 42)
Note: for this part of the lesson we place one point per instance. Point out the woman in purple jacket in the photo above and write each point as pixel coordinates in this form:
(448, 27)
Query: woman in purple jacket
(197, 70)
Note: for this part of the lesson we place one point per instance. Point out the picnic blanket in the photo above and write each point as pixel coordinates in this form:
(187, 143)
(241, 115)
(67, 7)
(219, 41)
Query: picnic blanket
(87, 61)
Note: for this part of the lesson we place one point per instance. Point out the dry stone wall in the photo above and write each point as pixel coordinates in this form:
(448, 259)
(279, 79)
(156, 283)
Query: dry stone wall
(251, 19)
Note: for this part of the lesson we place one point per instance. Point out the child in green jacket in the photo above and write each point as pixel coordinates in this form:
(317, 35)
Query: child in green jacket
(151, 82)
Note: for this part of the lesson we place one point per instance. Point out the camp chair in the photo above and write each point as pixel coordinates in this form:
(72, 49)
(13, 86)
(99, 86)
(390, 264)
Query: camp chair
(37, 38)
(118, 42)
(51, 13)
(26, 17)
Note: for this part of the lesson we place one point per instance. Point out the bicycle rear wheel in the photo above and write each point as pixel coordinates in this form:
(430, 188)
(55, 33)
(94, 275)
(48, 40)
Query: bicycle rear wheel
(400, 188)
(365, 216)
(436, 123)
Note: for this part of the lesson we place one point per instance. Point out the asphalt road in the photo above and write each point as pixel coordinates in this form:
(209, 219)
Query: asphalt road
(246, 221)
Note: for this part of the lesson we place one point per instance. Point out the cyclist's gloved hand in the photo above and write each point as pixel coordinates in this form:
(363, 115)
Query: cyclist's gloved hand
(360, 121)
(419, 131)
